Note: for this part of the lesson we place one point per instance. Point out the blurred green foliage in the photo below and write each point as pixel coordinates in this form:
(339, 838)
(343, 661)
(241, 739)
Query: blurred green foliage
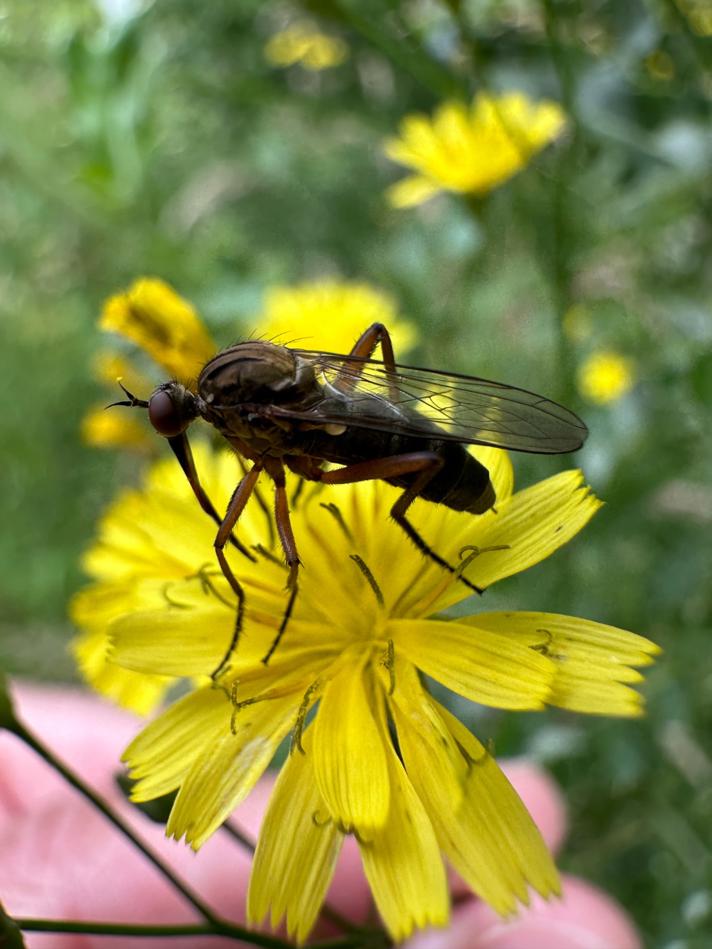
(140, 138)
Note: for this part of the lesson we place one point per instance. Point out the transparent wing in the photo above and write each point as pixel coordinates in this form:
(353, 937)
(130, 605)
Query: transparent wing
(426, 403)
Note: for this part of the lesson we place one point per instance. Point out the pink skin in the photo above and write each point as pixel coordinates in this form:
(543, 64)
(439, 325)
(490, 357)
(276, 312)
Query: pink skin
(62, 860)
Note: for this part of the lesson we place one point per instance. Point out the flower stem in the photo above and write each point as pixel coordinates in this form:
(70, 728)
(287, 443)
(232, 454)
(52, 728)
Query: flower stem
(359, 940)
(211, 928)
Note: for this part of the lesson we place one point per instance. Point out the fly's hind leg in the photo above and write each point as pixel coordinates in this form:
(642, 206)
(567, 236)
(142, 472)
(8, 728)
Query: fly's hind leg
(365, 346)
(425, 465)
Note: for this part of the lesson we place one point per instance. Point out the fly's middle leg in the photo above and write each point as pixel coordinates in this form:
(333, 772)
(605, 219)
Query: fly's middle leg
(289, 546)
(426, 465)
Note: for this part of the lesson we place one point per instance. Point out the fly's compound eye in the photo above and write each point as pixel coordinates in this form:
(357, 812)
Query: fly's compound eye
(165, 414)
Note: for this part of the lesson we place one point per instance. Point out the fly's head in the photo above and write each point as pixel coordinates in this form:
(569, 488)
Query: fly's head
(171, 409)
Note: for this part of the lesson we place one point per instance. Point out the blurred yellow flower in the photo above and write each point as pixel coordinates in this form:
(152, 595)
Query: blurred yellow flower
(108, 366)
(660, 65)
(304, 44)
(470, 150)
(153, 316)
(578, 323)
(356, 648)
(330, 315)
(605, 376)
(106, 429)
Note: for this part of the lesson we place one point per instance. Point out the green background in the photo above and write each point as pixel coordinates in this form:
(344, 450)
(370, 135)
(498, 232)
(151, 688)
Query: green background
(154, 139)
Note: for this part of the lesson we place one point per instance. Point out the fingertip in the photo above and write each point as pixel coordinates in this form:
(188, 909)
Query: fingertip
(584, 918)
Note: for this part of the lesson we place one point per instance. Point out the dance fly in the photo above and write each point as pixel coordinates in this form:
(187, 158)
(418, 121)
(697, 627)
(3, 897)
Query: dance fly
(281, 407)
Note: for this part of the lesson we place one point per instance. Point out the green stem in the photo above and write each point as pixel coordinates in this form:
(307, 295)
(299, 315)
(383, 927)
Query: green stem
(220, 928)
(114, 929)
(214, 928)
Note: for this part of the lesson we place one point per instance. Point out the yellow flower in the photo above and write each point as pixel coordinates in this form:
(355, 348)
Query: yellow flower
(660, 65)
(304, 44)
(163, 324)
(330, 315)
(357, 643)
(470, 150)
(103, 429)
(605, 376)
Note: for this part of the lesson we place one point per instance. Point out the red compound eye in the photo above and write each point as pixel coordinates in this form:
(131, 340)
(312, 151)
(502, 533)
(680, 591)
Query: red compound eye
(165, 415)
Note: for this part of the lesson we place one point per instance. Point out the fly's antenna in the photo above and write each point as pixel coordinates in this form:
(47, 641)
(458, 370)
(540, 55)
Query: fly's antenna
(131, 401)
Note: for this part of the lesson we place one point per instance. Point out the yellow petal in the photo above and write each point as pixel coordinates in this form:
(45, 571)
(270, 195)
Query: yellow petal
(490, 840)
(173, 641)
(491, 801)
(479, 664)
(296, 852)
(411, 191)
(140, 693)
(593, 661)
(163, 324)
(161, 755)
(528, 527)
(402, 862)
(410, 702)
(499, 465)
(228, 768)
(349, 755)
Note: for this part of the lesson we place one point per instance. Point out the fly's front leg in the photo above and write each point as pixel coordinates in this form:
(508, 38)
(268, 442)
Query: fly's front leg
(364, 347)
(234, 509)
(289, 545)
(425, 465)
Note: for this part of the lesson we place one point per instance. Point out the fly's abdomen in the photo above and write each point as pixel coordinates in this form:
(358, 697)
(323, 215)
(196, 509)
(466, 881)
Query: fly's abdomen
(462, 484)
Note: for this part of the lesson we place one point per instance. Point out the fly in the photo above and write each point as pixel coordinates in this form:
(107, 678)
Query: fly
(281, 407)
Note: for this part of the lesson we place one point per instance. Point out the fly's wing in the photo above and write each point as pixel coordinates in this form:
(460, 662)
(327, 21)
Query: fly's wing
(422, 402)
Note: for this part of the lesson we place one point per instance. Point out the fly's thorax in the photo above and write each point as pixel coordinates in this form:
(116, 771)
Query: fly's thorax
(241, 390)
(256, 372)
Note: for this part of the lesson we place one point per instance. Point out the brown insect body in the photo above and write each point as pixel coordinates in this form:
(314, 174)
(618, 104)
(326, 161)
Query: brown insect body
(249, 391)
(279, 406)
